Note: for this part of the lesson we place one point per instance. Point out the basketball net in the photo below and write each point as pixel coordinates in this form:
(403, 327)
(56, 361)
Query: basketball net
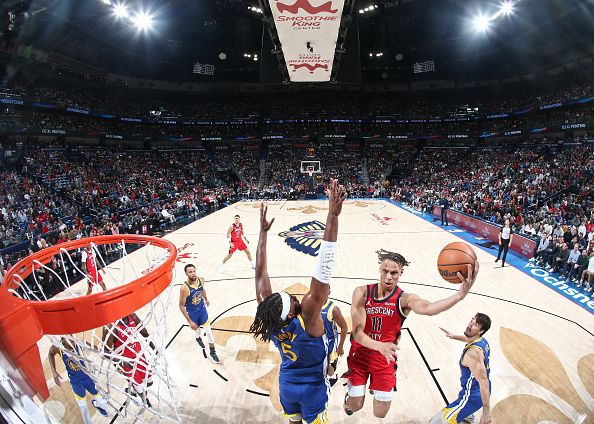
(129, 370)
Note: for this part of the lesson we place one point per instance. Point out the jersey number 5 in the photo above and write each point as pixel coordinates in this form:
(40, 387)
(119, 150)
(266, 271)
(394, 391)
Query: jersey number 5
(288, 352)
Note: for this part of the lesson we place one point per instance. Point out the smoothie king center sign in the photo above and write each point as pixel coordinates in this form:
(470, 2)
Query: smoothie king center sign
(308, 30)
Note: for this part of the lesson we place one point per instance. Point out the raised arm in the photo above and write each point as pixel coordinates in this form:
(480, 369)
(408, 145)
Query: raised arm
(359, 317)
(475, 360)
(319, 288)
(459, 337)
(51, 356)
(263, 287)
(420, 306)
(344, 329)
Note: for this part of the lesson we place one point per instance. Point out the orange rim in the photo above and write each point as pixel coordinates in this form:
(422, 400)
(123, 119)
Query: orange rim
(23, 322)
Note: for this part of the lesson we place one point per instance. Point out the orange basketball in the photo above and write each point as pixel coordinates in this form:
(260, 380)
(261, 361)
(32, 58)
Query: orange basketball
(454, 258)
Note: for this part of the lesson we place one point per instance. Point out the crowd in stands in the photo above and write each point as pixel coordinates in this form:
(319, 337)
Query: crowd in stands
(545, 193)
(59, 195)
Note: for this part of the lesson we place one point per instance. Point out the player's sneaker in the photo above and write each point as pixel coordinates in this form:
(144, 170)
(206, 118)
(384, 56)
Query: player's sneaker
(101, 410)
(200, 342)
(469, 419)
(253, 266)
(345, 405)
(221, 269)
(213, 356)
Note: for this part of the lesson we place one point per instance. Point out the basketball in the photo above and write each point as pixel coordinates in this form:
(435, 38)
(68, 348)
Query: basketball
(454, 258)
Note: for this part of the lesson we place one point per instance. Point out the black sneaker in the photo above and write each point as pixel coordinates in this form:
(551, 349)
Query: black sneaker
(200, 342)
(213, 356)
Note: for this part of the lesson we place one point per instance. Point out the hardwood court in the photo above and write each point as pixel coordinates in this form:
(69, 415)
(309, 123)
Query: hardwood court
(542, 361)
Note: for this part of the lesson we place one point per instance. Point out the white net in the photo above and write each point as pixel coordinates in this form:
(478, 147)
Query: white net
(126, 359)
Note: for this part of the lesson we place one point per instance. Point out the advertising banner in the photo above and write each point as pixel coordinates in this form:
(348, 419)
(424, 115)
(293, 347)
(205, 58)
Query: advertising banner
(308, 30)
(520, 244)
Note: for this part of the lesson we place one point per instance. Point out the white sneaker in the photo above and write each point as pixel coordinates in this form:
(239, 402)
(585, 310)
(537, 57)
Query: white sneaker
(469, 419)
(253, 266)
(531, 260)
(221, 269)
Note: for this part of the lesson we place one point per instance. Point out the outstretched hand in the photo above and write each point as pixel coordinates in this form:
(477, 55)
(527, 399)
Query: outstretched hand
(467, 282)
(336, 196)
(447, 333)
(264, 223)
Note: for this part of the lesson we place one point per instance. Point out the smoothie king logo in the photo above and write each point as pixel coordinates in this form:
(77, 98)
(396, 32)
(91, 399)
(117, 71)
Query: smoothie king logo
(311, 17)
(311, 68)
(306, 6)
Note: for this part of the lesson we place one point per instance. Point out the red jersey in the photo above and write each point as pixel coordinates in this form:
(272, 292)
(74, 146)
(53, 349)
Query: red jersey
(123, 331)
(236, 232)
(384, 317)
(90, 262)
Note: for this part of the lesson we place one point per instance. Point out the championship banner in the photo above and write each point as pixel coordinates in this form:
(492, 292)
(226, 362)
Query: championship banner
(308, 30)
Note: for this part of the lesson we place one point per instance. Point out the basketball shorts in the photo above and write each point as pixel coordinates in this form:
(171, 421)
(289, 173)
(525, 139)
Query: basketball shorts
(199, 316)
(332, 356)
(307, 401)
(82, 385)
(137, 374)
(465, 405)
(238, 245)
(92, 280)
(366, 364)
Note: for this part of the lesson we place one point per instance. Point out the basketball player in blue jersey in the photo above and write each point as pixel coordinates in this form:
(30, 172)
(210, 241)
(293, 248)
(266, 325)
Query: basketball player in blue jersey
(474, 367)
(332, 317)
(192, 304)
(80, 381)
(297, 329)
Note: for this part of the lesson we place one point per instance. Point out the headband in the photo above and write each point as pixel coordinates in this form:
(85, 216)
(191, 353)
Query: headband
(286, 305)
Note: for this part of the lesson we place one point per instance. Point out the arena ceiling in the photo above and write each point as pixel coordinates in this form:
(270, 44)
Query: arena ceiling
(393, 37)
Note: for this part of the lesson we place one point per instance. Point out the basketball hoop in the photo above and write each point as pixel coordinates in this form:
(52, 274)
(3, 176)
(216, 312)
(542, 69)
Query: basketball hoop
(310, 170)
(138, 271)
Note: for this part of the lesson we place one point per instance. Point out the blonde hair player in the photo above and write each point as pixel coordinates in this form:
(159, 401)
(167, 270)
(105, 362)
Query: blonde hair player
(378, 311)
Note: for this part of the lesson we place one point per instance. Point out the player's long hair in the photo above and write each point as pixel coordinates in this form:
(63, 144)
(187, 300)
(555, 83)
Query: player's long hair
(267, 321)
(383, 254)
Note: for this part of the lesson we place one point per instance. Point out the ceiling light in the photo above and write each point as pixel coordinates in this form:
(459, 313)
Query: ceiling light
(481, 23)
(507, 8)
(120, 11)
(143, 21)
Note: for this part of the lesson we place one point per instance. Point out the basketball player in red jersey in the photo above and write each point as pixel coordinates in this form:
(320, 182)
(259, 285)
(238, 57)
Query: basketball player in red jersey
(378, 311)
(237, 241)
(126, 351)
(89, 263)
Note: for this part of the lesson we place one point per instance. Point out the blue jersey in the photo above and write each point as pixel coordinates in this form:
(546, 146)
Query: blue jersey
(194, 302)
(303, 357)
(329, 324)
(74, 368)
(467, 380)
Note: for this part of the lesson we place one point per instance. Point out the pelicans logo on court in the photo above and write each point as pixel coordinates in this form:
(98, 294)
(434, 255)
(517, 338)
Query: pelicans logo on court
(305, 238)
